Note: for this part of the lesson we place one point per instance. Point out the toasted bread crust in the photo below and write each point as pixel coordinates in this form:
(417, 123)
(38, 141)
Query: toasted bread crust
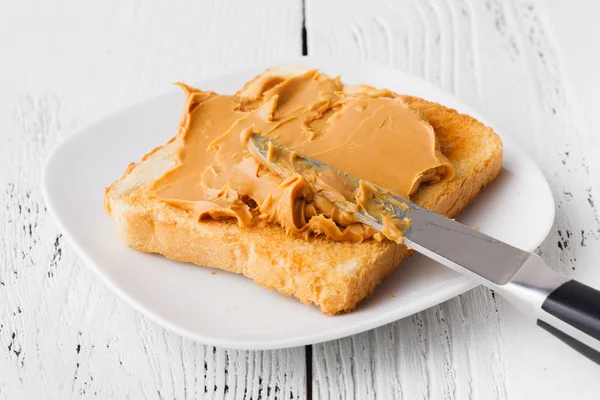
(335, 276)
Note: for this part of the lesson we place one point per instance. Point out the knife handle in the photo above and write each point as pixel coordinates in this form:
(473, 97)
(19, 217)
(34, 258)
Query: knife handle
(564, 307)
(576, 307)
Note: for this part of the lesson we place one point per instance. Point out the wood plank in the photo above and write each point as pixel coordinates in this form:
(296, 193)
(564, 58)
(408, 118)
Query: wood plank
(502, 59)
(63, 334)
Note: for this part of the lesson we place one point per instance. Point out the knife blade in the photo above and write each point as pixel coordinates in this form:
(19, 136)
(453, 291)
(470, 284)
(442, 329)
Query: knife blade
(564, 307)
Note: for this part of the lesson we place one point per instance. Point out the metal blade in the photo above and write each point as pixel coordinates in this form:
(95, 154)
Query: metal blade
(451, 243)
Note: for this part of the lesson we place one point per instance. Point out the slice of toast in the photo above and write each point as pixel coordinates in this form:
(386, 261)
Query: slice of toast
(335, 276)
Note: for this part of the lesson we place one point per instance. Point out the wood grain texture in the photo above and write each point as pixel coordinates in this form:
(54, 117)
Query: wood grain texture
(501, 58)
(64, 64)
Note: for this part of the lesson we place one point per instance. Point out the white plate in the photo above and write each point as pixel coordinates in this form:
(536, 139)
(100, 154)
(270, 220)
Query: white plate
(229, 310)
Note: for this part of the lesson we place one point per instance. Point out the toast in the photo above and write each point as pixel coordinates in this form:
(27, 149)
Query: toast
(335, 276)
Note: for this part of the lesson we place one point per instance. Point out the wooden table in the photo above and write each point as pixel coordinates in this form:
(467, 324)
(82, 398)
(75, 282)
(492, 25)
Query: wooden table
(529, 66)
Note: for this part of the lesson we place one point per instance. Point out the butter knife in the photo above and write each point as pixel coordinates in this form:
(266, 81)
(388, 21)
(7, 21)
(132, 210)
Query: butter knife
(562, 306)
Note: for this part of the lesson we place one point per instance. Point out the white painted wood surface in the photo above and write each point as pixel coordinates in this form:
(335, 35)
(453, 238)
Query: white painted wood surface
(502, 58)
(529, 66)
(64, 64)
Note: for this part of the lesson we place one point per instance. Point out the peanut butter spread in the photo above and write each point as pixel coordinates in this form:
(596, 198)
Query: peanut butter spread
(374, 136)
(348, 195)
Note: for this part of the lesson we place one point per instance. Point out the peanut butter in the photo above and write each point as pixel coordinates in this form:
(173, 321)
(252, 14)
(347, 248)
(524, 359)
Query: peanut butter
(375, 137)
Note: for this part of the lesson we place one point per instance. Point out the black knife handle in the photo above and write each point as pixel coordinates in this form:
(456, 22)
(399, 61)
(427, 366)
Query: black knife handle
(578, 306)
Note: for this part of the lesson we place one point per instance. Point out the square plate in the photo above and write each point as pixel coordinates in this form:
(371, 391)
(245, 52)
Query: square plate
(229, 310)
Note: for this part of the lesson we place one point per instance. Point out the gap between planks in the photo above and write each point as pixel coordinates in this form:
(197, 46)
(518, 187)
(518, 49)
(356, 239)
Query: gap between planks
(308, 349)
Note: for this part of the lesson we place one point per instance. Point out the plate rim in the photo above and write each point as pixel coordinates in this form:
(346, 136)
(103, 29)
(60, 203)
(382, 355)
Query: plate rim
(462, 284)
